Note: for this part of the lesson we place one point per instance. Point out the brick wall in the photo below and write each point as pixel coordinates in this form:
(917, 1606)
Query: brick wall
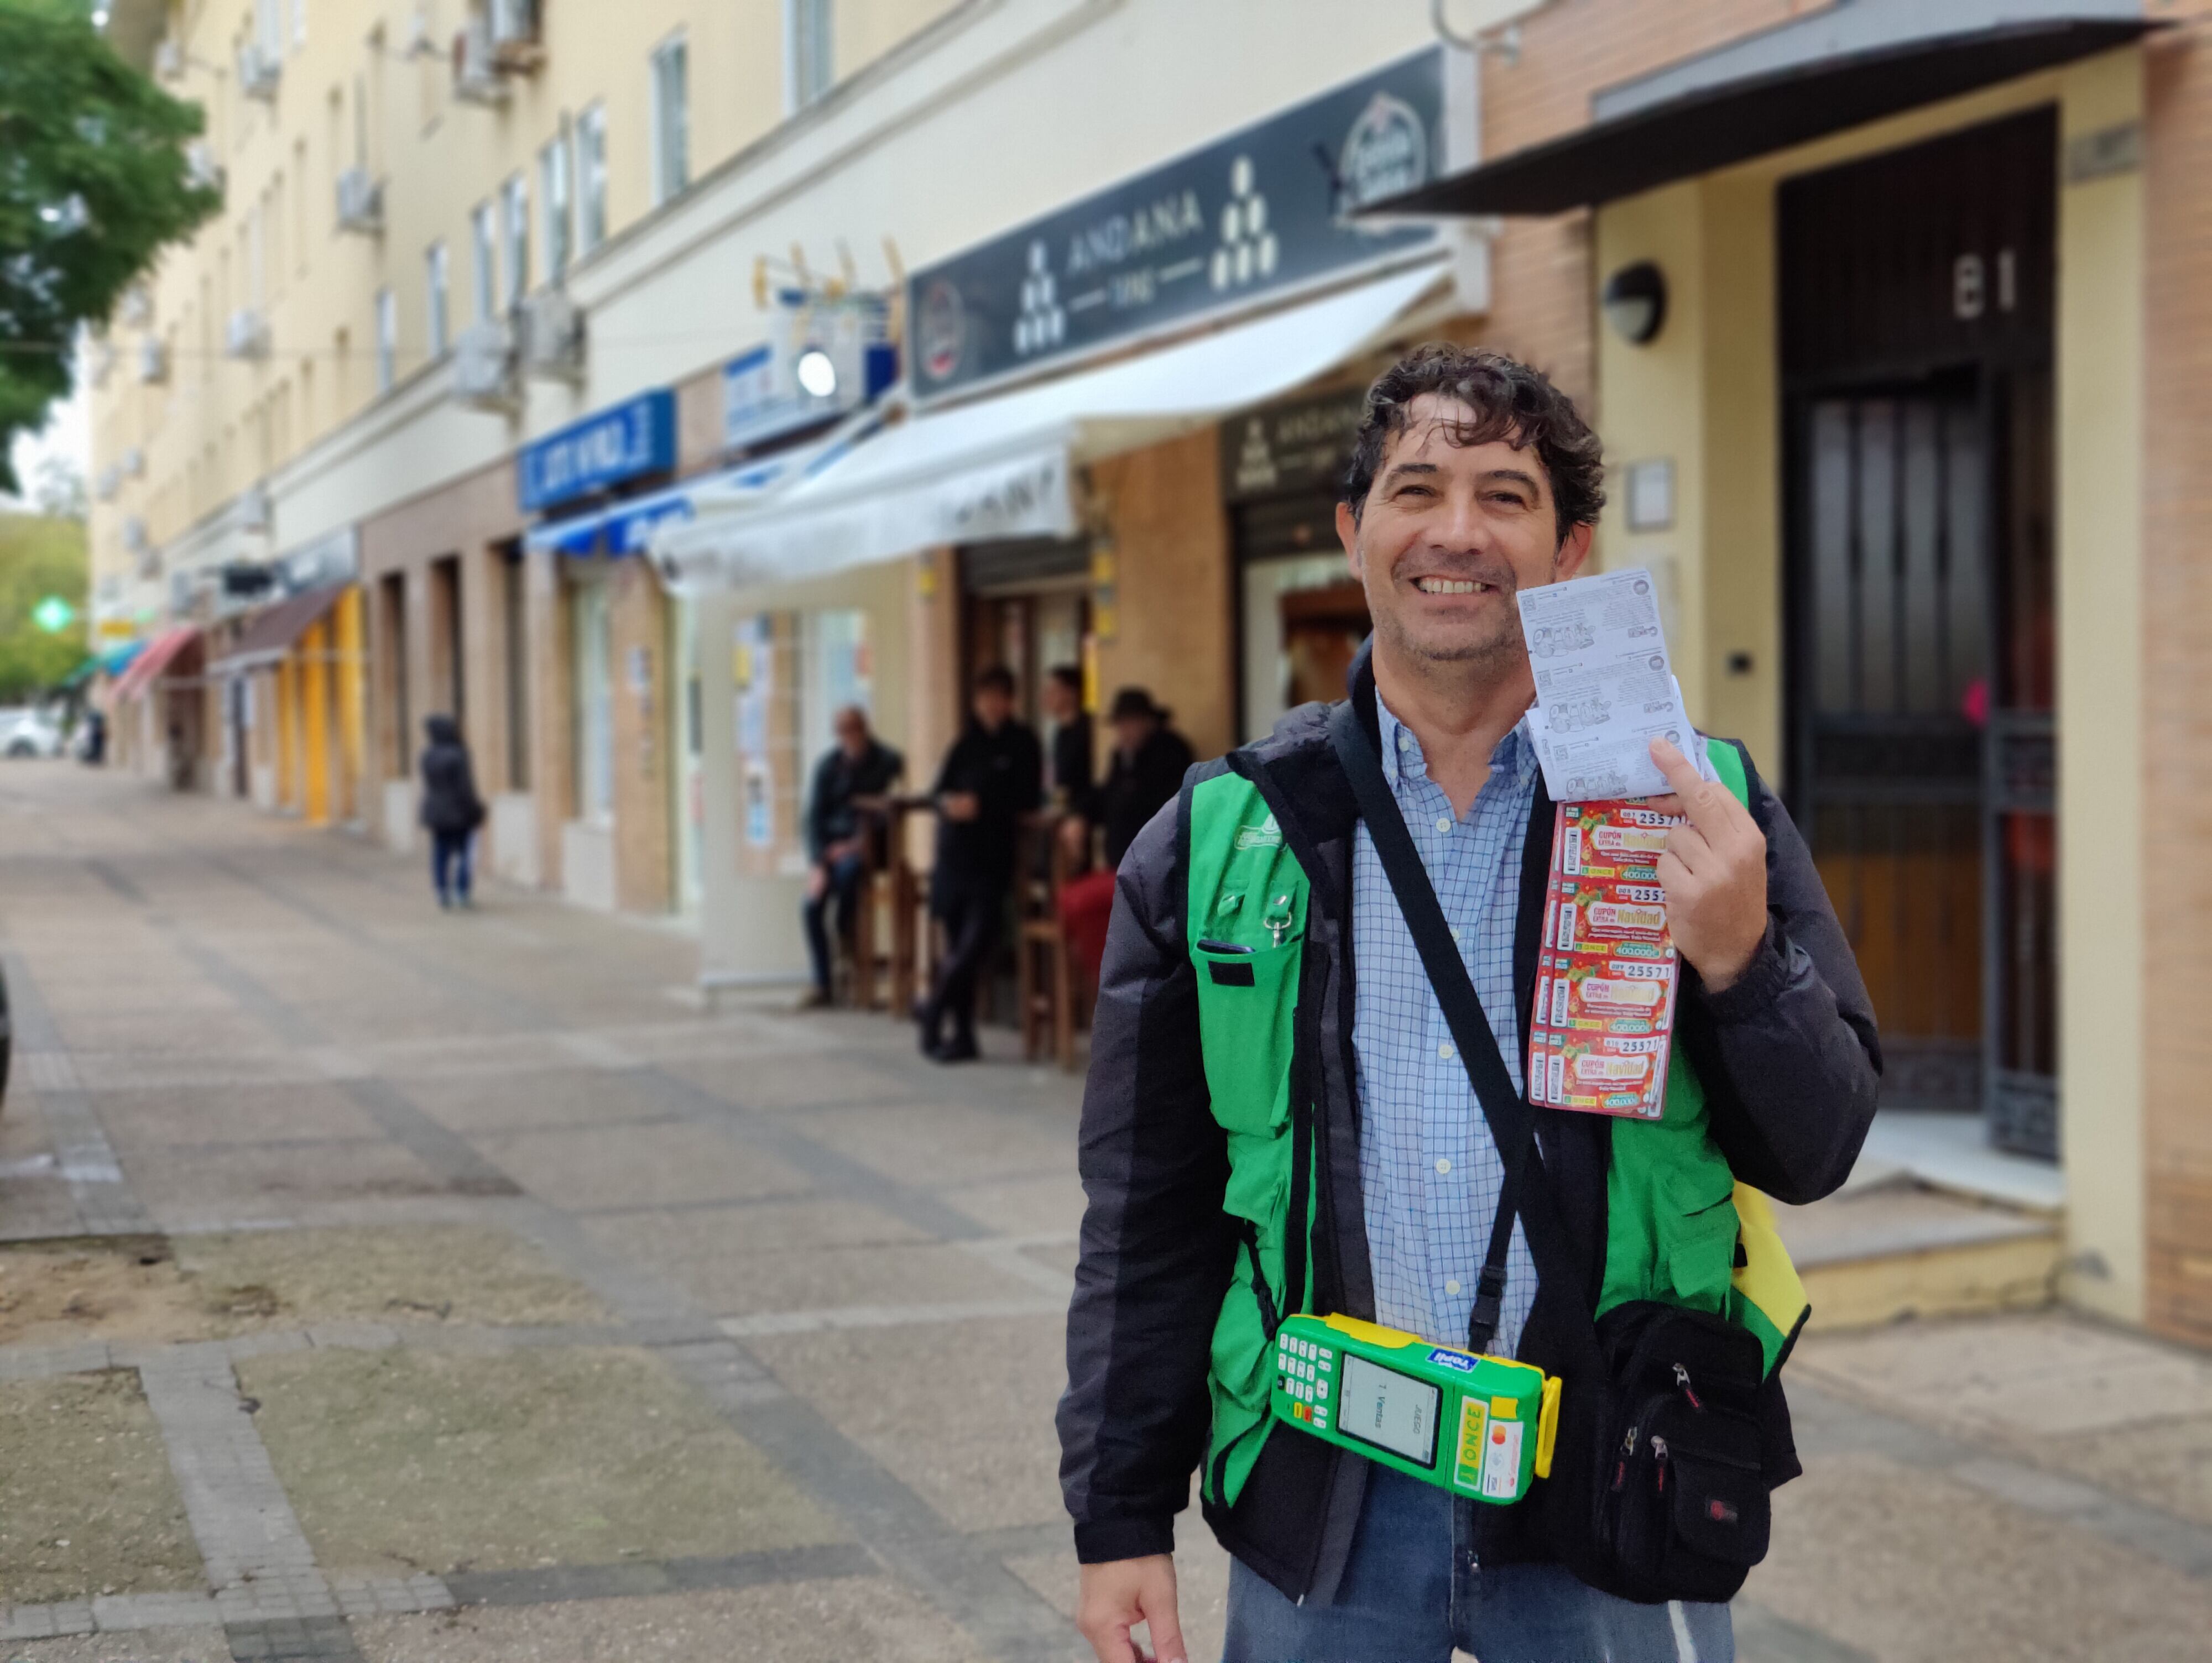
(2177, 679)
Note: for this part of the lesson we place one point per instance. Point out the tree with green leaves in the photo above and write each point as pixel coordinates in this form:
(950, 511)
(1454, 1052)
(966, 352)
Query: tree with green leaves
(93, 182)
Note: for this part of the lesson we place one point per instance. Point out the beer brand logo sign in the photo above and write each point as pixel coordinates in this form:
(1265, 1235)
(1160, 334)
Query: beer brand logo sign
(1385, 153)
(941, 330)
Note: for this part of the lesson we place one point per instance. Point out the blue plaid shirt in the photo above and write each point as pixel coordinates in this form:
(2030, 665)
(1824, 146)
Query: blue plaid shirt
(1427, 1164)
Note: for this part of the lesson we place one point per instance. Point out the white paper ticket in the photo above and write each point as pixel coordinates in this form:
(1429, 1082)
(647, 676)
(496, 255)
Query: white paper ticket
(1604, 687)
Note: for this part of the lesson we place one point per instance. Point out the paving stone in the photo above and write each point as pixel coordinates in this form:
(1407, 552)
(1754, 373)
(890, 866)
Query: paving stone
(1912, 1567)
(307, 1110)
(403, 1460)
(949, 1144)
(837, 1621)
(734, 1285)
(194, 1644)
(974, 1435)
(533, 1099)
(627, 1165)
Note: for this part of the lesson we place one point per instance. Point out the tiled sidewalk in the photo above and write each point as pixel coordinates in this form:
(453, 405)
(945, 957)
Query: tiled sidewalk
(469, 1293)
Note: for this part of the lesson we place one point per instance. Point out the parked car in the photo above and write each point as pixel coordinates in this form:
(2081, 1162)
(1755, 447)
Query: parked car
(28, 732)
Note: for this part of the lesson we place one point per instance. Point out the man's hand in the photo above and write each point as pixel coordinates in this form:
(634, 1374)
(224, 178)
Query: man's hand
(817, 881)
(1118, 1595)
(960, 805)
(1714, 872)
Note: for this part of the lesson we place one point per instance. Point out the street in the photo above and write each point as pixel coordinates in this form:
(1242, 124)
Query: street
(391, 1284)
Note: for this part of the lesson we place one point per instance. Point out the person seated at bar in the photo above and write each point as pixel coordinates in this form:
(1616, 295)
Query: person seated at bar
(1150, 759)
(859, 766)
(992, 776)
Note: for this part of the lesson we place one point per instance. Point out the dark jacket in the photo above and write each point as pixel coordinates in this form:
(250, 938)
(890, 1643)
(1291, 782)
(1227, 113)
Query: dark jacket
(1071, 771)
(1788, 1056)
(1006, 770)
(450, 803)
(1136, 787)
(838, 779)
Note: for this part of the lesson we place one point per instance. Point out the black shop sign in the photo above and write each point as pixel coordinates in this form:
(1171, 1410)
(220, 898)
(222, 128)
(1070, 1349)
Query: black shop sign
(1265, 209)
(1300, 445)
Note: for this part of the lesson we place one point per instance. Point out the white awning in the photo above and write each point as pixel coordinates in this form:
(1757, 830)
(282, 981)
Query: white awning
(1002, 467)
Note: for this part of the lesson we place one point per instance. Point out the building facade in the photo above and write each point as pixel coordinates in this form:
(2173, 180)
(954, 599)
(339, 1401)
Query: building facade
(646, 383)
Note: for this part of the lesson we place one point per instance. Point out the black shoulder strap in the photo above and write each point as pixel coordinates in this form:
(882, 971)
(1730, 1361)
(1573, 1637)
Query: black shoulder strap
(1512, 1122)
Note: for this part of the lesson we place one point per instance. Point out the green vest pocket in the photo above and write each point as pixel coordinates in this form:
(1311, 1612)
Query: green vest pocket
(1246, 1002)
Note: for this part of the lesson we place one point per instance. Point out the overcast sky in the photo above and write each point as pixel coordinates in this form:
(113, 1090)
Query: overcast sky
(67, 432)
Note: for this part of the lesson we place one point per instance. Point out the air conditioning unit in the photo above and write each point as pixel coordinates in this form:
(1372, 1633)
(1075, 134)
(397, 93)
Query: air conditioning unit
(135, 540)
(552, 337)
(515, 43)
(246, 335)
(258, 71)
(136, 309)
(153, 361)
(133, 463)
(202, 170)
(109, 482)
(484, 367)
(251, 512)
(361, 202)
(476, 78)
(168, 61)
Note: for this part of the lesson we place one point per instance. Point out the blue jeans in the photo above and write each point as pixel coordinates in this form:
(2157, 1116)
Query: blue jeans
(842, 891)
(1411, 1592)
(449, 863)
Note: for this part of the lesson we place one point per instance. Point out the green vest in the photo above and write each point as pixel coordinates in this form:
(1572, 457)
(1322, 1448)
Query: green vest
(1675, 1215)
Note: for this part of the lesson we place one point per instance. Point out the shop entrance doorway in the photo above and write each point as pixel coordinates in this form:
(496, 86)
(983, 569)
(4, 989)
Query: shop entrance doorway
(1917, 328)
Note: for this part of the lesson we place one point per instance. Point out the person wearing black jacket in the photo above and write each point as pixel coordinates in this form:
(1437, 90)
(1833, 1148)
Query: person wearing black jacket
(1150, 759)
(1073, 781)
(1472, 477)
(451, 810)
(992, 777)
(859, 764)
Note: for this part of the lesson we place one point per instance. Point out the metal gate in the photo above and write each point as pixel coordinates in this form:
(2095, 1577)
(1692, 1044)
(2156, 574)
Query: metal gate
(1915, 334)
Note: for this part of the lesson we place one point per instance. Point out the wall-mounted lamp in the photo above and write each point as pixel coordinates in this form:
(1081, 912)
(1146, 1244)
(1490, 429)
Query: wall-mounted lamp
(1635, 302)
(817, 373)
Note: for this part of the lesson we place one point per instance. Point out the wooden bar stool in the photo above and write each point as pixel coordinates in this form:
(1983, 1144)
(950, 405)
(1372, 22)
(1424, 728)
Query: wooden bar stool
(1044, 976)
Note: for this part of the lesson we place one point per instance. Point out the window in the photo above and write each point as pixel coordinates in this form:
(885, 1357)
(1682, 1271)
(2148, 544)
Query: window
(590, 178)
(808, 52)
(553, 189)
(299, 22)
(516, 199)
(515, 616)
(436, 281)
(672, 161)
(269, 28)
(387, 339)
(484, 234)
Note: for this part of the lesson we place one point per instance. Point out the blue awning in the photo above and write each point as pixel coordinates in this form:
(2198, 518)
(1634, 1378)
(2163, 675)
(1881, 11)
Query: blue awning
(625, 527)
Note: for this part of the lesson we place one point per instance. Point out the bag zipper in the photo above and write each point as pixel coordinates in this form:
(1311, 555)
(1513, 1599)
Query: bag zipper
(1260, 1291)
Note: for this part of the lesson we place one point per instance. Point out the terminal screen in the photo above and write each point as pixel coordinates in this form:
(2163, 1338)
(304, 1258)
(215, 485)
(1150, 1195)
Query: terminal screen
(1391, 1411)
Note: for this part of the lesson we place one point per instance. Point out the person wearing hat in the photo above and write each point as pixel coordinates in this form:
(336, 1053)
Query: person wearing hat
(1146, 771)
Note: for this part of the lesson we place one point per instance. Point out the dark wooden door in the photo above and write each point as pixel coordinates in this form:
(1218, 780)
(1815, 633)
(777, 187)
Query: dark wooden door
(1916, 335)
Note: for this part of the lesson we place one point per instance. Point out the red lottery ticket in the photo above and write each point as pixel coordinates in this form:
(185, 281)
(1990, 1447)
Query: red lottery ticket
(1603, 1021)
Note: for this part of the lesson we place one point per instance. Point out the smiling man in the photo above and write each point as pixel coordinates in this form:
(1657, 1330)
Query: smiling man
(1277, 1119)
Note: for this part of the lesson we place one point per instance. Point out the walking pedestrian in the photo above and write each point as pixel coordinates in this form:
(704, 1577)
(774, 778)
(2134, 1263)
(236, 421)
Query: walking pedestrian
(859, 766)
(451, 810)
(1283, 1114)
(992, 777)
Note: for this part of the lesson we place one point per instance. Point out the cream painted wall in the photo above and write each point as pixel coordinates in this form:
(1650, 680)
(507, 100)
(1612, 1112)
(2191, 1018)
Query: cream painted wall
(1707, 392)
(2100, 751)
(349, 92)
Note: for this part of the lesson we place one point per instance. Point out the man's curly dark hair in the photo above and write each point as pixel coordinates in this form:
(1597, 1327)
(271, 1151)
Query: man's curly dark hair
(1510, 402)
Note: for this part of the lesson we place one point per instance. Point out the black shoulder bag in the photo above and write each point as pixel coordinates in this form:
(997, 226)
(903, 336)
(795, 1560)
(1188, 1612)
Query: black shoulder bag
(1659, 1484)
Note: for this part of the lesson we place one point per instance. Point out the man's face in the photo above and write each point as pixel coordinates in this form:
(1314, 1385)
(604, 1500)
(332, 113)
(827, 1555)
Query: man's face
(853, 733)
(1061, 702)
(1450, 534)
(992, 706)
(1130, 733)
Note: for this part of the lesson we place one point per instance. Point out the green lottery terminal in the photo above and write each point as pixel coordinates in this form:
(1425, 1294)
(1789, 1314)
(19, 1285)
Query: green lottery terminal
(1479, 1426)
